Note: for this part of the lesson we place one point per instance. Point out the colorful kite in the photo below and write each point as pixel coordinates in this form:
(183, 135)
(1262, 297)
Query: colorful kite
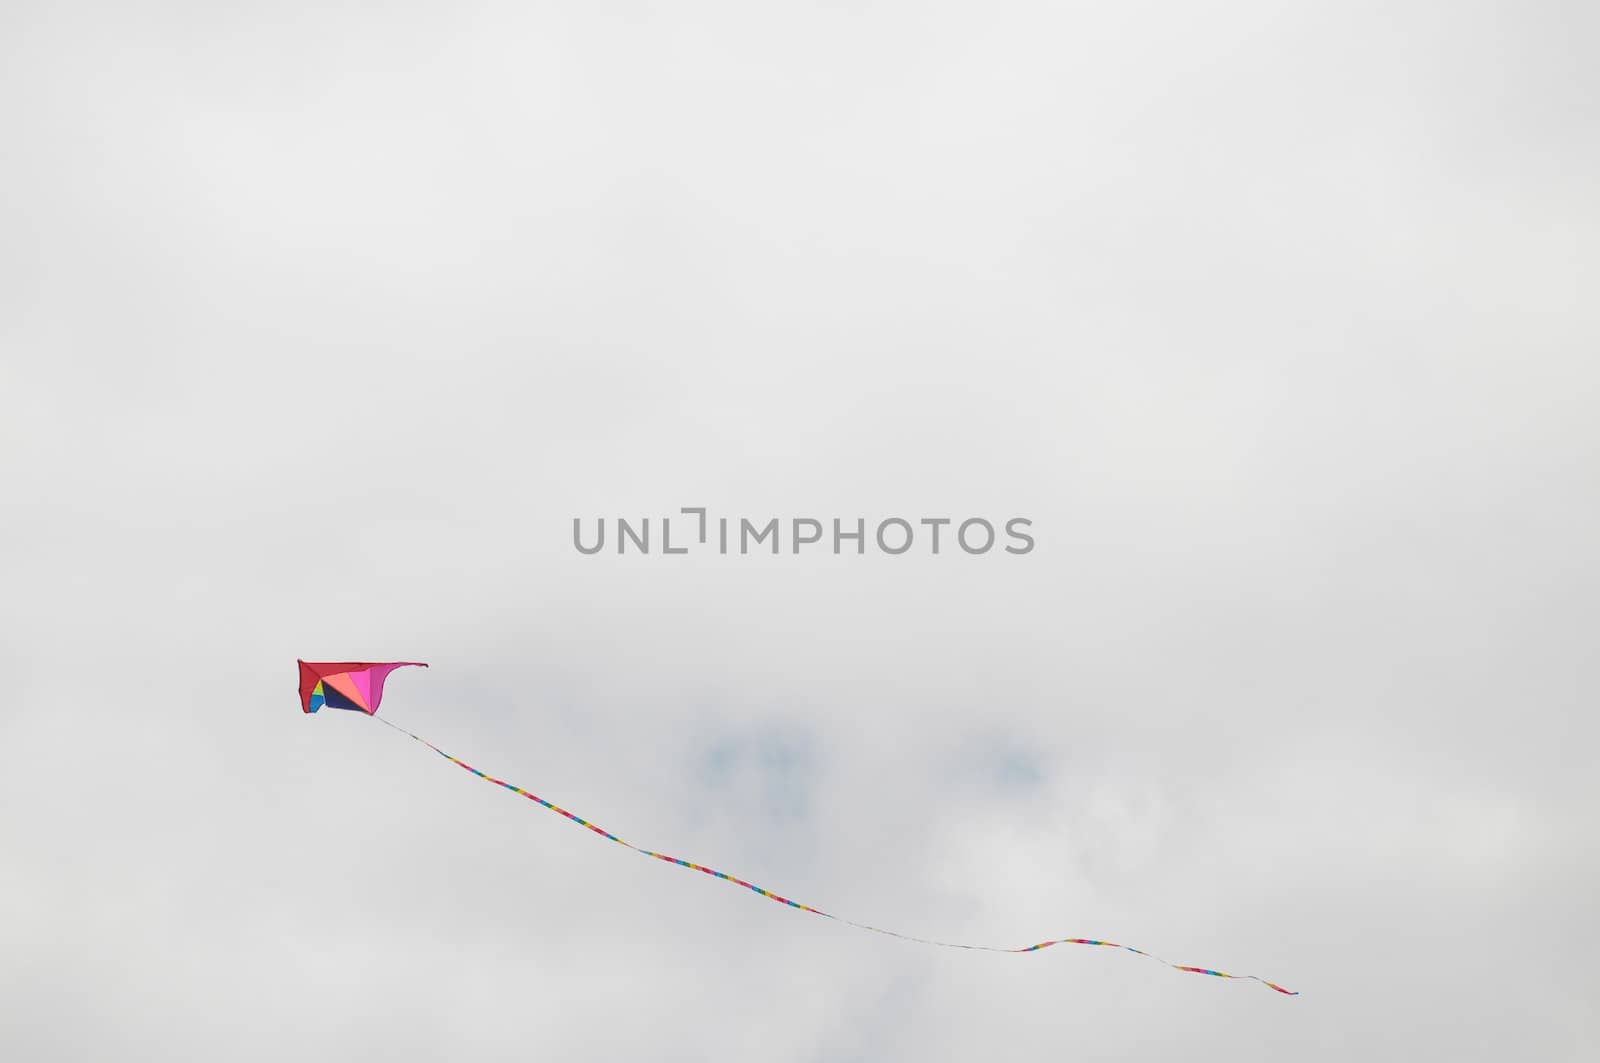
(346, 684)
(356, 685)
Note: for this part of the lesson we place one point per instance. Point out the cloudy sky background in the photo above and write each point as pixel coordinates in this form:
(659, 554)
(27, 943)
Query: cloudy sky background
(321, 323)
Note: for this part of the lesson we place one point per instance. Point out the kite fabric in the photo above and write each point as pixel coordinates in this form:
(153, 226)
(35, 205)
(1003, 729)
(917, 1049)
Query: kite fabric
(354, 685)
(333, 693)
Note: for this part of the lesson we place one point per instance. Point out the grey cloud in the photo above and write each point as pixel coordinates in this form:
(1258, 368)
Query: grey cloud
(322, 325)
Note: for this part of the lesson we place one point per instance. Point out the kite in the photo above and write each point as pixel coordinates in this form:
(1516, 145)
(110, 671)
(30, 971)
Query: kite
(359, 686)
(346, 684)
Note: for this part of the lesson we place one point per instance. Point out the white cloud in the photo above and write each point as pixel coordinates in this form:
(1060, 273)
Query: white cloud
(323, 326)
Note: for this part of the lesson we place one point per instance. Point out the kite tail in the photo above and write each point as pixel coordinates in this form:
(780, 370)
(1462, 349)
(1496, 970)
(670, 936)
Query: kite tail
(815, 911)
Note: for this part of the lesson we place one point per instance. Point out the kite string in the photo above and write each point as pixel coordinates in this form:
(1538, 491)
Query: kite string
(806, 907)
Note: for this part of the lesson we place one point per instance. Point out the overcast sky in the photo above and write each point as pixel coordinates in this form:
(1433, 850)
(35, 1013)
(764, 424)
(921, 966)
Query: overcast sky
(320, 323)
